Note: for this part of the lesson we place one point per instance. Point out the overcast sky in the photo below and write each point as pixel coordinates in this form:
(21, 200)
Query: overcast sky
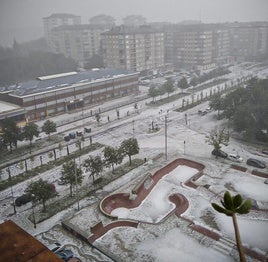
(22, 19)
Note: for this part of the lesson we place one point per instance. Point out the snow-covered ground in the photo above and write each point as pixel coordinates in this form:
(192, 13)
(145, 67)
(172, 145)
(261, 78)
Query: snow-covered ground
(172, 239)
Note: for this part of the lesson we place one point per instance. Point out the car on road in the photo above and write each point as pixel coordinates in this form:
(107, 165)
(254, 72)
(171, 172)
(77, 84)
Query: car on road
(256, 163)
(219, 153)
(265, 151)
(66, 254)
(235, 158)
(22, 200)
(56, 247)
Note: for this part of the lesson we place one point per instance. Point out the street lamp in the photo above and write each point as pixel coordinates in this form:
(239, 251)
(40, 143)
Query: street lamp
(34, 221)
(11, 188)
(166, 136)
(76, 187)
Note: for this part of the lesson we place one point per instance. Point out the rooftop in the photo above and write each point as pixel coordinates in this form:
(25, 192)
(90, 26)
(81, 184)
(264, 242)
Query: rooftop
(61, 15)
(17, 245)
(52, 82)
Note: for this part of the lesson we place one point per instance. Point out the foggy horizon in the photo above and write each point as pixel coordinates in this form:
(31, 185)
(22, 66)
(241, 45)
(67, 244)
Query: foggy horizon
(23, 20)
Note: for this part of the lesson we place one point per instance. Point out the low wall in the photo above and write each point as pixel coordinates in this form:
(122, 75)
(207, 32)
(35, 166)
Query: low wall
(259, 173)
(108, 204)
(239, 168)
(99, 230)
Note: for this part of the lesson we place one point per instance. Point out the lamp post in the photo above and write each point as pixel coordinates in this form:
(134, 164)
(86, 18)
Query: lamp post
(76, 186)
(11, 188)
(34, 221)
(166, 136)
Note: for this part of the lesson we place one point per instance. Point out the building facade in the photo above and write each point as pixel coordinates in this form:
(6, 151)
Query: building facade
(62, 93)
(56, 20)
(248, 40)
(134, 49)
(196, 45)
(79, 42)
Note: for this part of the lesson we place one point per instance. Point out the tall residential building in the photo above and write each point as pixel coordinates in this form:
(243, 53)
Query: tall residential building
(248, 40)
(56, 20)
(104, 21)
(134, 20)
(221, 44)
(196, 45)
(79, 42)
(135, 49)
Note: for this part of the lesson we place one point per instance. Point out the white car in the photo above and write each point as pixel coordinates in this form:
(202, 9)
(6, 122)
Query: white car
(235, 158)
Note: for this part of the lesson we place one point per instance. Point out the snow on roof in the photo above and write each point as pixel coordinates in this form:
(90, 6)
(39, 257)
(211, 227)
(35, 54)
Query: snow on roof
(66, 79)
(56, 76)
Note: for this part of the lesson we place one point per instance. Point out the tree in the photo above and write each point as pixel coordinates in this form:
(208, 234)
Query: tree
(31, 130)
(11, 133)
(153, 92)
(194, 81)
(113, 156)
(215, 103)
(94, 165)
(231, 206)
(183, 83)
(96, 61)
(130, 147)
(49, 127)
(71, 174)
(168, 86)
(41, 191)
(218, 137)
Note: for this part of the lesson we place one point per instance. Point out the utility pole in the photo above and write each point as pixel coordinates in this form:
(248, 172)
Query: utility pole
(11, 188)
(166, 136)
(133, 128)
(76, 187)
(34, 220)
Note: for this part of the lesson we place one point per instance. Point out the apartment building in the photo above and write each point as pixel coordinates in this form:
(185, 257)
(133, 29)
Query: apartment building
(104, 21)
(134, 49)
(196, 45)
(54, 94)
(248, 40)
(79, 42)
(56, 20)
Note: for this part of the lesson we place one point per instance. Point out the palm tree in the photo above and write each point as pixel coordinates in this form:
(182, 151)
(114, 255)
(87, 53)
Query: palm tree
(231, 206)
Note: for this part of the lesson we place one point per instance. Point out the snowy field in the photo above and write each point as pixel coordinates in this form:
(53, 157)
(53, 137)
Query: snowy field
(170, 239)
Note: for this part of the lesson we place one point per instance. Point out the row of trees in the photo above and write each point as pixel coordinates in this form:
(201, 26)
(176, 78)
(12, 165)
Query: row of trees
(167, 87)
(11, 133)
(72, 173)
(246, 109)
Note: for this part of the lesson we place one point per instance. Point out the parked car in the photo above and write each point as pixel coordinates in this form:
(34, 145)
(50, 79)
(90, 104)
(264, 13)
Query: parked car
(65, 254)
(235, 158)
(22, 200)
(72, 135)
(79, 133)
(255, 163)
(60, 182)
(265, 151)
(67, 138)
(87, 130)
(56, 247)
(219, 153)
